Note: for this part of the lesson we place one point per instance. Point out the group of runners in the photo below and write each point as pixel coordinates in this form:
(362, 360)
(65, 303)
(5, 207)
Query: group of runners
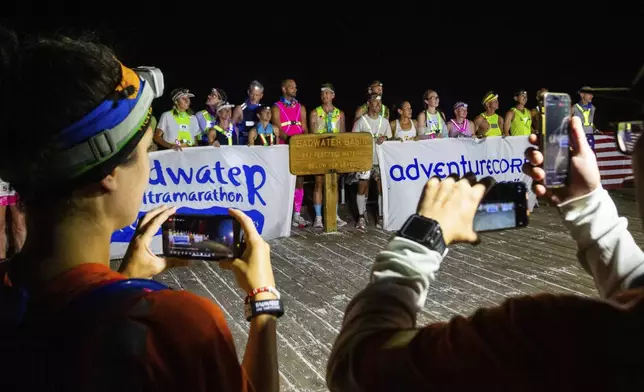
(253, 123)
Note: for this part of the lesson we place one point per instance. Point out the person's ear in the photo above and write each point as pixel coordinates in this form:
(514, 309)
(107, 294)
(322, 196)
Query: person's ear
(110, 182)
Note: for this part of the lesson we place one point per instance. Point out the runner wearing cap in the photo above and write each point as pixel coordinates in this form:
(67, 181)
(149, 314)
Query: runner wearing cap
(375, 87)
(404, 128)
(289, 118)
(489, 123)
(538, 111)
(460, 126)
(326, 118)
(431, 122)
(263, 133)
(380, 129)
(518, 121)
(585, 110)
(224, 133)
(207, 118)
(178, 128)
(244, 115)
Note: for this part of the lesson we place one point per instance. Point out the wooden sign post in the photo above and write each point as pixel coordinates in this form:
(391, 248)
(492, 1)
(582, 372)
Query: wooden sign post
(330, 154)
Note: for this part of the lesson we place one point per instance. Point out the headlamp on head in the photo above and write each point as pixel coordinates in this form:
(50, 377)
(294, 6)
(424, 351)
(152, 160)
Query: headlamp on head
(108, 129)
(153, 77)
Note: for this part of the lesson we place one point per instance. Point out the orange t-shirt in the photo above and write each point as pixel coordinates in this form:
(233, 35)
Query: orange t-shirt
(170, 340)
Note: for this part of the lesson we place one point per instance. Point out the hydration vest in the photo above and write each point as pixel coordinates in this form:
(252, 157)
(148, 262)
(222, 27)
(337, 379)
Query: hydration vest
(327, 122)
(184, 136)
(521, 124)
(248, 121)
(494, 129)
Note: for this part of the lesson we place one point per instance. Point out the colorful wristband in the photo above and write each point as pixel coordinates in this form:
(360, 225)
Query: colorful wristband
(267, 289)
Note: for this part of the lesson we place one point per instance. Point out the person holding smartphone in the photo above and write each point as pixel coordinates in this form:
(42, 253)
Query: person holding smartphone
(146, 339)
(531, 343)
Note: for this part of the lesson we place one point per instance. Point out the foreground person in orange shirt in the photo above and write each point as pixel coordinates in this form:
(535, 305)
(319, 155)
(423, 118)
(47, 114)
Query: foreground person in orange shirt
(81, 168)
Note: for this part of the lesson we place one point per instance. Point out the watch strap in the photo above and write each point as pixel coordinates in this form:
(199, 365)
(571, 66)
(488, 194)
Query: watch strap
(436, 241)
(433, 239)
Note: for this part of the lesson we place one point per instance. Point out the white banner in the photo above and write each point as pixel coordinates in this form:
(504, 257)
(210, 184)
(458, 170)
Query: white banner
(406, 167)
(209, 180)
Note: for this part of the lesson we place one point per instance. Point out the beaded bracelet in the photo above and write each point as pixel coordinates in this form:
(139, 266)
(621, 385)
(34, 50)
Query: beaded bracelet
(267, 289)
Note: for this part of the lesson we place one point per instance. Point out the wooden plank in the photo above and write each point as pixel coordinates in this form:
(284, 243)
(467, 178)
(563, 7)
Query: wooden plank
(330, 202)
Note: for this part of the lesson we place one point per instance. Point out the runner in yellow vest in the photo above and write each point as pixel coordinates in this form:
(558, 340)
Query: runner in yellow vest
(178, 128)
(489, 123)
(207, 118)
(431, 121)
(518, 121)
(585, 109)
(326, 118)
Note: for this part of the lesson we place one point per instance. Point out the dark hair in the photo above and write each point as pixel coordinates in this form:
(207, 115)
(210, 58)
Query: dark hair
(71, 77)
(398, 106)
(222, 94)
(259, 109)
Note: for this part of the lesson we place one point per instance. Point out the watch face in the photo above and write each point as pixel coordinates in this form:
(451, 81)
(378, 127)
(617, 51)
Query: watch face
(418, 228)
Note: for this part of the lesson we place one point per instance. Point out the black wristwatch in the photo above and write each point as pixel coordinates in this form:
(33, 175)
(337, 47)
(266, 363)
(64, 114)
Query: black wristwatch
(425, 231)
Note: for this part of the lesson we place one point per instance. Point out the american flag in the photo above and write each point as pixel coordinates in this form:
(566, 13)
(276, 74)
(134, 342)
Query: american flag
(614, 167)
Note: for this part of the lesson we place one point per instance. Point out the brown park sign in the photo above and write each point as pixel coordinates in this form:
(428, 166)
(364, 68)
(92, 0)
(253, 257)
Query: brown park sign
(330, 153)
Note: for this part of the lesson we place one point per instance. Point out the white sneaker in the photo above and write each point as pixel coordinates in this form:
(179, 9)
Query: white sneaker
(340, 222)
(361, 224)
(318, 222)
(300, 222)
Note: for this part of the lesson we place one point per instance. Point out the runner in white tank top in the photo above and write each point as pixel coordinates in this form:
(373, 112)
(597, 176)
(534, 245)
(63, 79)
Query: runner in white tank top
(404, 127)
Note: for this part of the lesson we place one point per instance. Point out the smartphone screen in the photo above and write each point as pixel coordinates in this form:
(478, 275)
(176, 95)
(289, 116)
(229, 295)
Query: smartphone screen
(185, 236)
(504, 207)
(555, 141)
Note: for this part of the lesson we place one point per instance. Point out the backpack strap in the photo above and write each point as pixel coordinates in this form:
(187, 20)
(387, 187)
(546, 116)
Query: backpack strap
(110, 293)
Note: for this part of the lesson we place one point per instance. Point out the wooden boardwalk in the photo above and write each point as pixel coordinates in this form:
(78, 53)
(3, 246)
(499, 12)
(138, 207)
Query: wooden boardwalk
(318, 274)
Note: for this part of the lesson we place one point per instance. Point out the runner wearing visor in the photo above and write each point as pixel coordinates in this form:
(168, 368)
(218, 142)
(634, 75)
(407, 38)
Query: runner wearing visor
(224, 133)
(460, 126)
(178, 128)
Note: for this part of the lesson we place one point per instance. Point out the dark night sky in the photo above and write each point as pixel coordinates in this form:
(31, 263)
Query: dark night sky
(457, 73)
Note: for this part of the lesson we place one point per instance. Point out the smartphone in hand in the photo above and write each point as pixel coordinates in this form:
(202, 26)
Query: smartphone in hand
(554, 141)
(202, 237)
(505, 206)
